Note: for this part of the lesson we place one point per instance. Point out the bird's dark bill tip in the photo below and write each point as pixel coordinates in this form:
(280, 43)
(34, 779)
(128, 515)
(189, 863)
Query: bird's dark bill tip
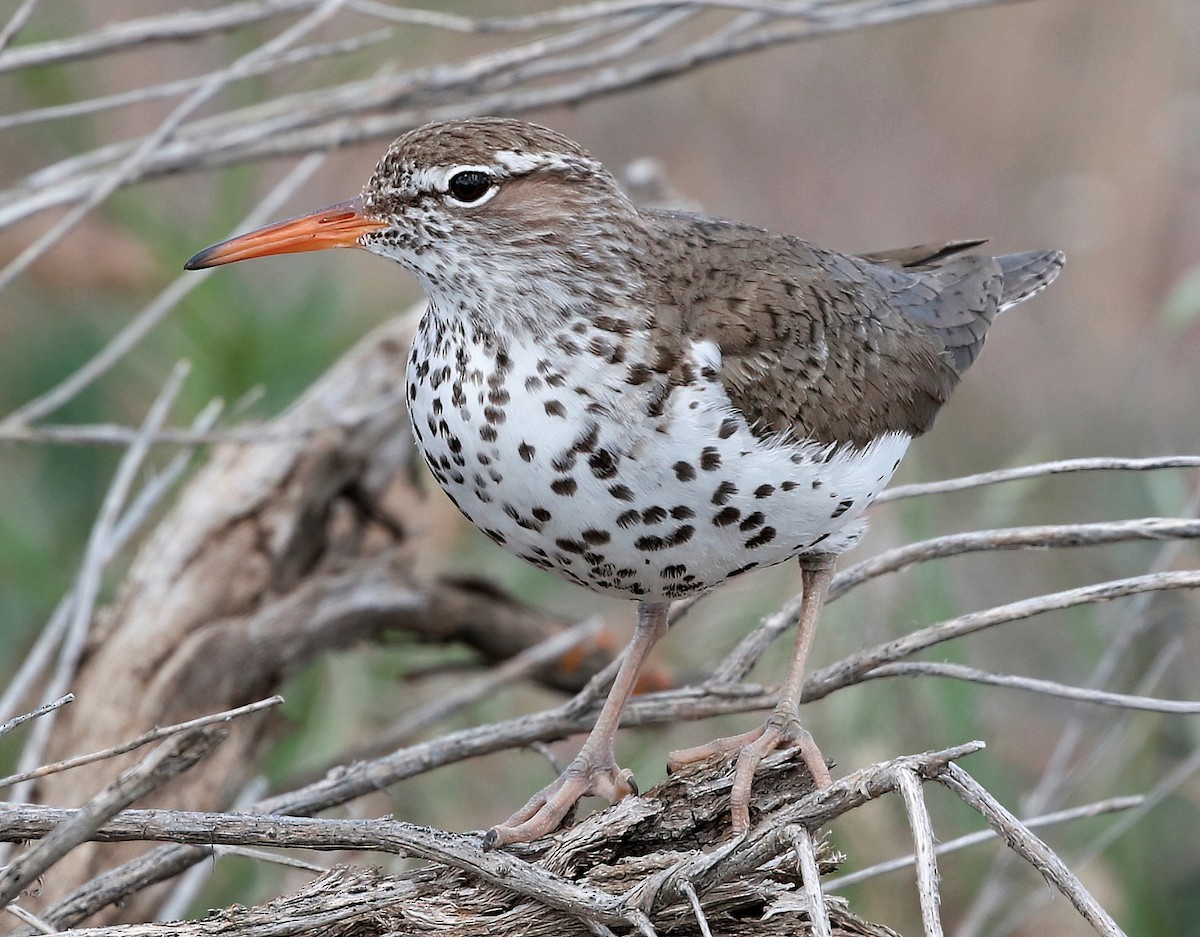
(202, 259)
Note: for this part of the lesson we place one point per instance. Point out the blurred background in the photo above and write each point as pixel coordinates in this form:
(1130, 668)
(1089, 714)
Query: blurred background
(1050, 124)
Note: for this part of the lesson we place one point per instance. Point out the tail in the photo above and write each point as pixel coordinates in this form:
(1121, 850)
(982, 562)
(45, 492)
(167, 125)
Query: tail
(1027, 273)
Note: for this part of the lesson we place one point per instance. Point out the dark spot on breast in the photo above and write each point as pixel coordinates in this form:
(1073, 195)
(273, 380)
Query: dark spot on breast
(526, 451)
(621, 492)
(487, 433)
(764, 491)
(554, 408)
(494, 415)
(541, 514)
(654, 515)
(817, 483)
(681, 512)
(728, 427)
(726, 516)
(754, 520)
(570, 546)
(602, 464)
(555, 380)
(766, 535)
(724, 492)
(627, 519)
(564, 486)
(684, 471)
(676, 571)
(533, 382)
(498, 396)
(842, 508)
(680, 535)
(596, 537)
(710, 458)
(788, 486)
(650, 543)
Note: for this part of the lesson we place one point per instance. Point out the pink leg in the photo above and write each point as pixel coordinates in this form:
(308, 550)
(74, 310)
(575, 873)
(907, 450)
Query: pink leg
(594, 770)
(783, 725)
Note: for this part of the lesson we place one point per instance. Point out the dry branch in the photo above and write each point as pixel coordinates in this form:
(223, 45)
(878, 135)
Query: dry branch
(636, 865)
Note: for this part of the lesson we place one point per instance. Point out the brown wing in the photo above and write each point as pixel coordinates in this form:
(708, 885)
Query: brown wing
(826, 345)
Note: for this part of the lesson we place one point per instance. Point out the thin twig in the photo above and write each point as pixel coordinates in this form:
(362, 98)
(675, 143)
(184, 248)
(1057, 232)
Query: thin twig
(30, 919)
(1032, 685)
(1040, 470)
(1029, 847)
(16, 23)
(806, 855)
(850, 669)
(1098, 808)
(926, 855)
(152, 736)
(7, 727)
(176, 27)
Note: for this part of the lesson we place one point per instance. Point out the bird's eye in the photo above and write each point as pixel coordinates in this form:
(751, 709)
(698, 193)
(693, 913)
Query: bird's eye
(470, 185)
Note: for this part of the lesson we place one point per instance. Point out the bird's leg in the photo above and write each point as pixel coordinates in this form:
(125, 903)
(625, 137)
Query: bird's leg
(783, 725)
(594, 770)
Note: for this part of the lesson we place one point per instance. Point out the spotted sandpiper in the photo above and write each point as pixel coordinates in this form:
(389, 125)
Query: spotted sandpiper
(651, 402)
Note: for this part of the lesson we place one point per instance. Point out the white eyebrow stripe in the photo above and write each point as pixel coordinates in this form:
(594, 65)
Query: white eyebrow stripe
(518, 162)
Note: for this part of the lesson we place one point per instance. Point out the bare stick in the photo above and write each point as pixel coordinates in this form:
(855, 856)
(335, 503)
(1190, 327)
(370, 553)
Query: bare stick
(811, 872)
(152, 736)
(1098, 808)
(1030, 848)
(922, 830)
(30, 919)
(7, 727)
(1015, 538)
(1045, 687)
(173, 28)
(16, 22)
(1040, 470)
(840, 674)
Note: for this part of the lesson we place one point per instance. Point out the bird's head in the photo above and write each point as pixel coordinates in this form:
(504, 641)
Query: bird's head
(486, 204)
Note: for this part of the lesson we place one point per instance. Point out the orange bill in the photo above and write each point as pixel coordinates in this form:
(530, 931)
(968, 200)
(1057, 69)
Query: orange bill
(339, 225)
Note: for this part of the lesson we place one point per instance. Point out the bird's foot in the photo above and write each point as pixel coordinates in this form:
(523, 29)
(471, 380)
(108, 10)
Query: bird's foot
(589, 774)
(781, 729)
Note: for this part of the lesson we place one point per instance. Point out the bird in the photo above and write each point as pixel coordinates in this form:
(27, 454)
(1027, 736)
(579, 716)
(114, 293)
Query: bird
(651, 402)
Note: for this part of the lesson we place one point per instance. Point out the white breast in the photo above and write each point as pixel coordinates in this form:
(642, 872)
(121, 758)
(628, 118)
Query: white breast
(555, 456)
